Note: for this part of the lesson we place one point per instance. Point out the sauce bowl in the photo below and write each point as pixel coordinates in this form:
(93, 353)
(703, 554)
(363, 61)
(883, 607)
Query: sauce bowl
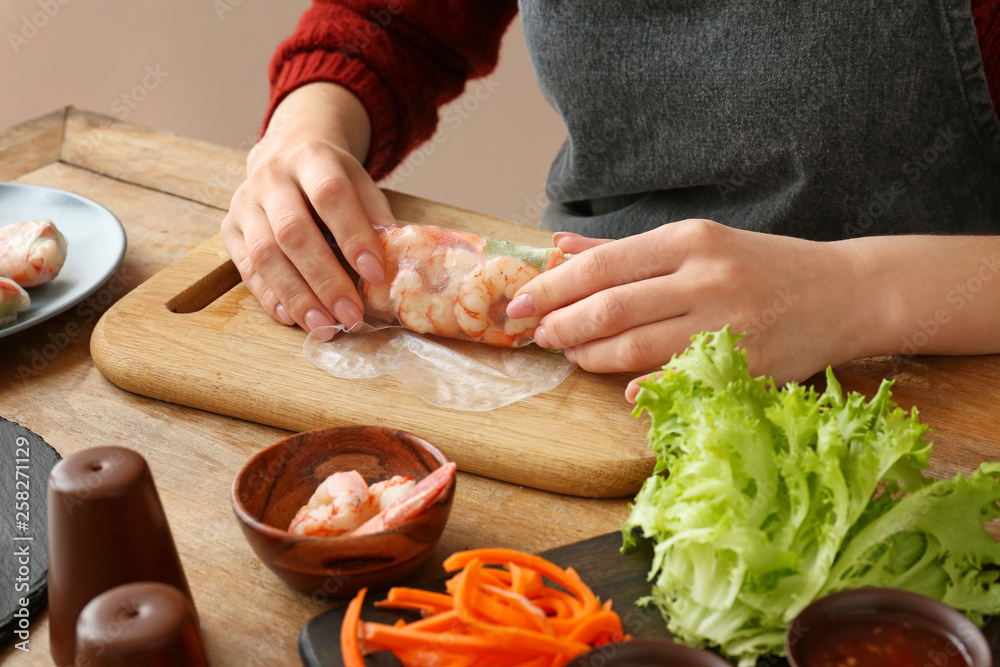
(881, 626)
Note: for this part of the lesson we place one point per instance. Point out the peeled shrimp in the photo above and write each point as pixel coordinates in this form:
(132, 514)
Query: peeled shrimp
(344, 504)
(339, 505)
(455, 284)
(483, 298)
(414, 502)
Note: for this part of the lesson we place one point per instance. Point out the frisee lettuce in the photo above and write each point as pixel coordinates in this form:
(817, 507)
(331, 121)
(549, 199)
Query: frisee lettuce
(778, 496)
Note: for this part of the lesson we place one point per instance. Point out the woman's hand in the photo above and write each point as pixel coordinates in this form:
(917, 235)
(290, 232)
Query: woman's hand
(629, 305)
(307, 171)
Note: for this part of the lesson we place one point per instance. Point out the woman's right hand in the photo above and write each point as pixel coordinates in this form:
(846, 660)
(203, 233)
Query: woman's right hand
(307, 171)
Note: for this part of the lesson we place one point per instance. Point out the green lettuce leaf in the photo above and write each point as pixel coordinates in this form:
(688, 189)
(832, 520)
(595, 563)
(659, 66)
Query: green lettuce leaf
(777, 496)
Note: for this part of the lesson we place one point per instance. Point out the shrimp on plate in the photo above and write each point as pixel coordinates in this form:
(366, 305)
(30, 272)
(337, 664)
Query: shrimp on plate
(455, 284)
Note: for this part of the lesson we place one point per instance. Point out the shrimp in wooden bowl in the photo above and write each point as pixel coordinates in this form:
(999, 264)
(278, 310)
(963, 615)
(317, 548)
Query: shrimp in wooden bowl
(306, 507)
(344, 503)
(455, 284)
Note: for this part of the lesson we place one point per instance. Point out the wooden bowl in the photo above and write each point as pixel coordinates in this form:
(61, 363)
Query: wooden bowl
(278, 480)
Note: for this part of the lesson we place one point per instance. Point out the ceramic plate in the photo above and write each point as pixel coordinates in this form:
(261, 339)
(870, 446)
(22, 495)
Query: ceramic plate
(96, 246)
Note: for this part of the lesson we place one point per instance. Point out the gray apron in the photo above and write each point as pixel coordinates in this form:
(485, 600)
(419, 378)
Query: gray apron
(823, 120)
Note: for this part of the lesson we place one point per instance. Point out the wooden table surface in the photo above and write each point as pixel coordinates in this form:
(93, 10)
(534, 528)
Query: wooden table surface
(170, 194)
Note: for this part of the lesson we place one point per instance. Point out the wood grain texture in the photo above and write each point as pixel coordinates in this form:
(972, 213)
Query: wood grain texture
(31, 145)
(195, 170)
(49, 383)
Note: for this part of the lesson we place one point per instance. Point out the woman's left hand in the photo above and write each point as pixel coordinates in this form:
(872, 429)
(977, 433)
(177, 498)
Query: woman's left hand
(629, 305)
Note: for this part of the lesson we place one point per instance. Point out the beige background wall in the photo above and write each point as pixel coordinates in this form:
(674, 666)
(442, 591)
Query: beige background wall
(199, 68)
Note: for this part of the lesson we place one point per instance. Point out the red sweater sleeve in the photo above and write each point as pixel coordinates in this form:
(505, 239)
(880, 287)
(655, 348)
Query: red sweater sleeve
(402, 58)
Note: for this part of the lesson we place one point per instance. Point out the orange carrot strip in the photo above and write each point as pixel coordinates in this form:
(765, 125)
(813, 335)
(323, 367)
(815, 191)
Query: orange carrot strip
(525, 581)
(533, 614)
(491, 609)
(388, 637)
(424, 656)
(499, 611)
(498, 576)
(414, 598)
(446, 621)
(541, 661)
(554, 606)
(428, 657)
(572, 606)
(533, 641)
(567, 578)
(465, 595)
(350, 647)
(602, 621)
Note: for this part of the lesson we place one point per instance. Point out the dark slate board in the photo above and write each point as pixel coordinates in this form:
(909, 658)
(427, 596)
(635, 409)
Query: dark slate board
(599, 562)
(14, 472)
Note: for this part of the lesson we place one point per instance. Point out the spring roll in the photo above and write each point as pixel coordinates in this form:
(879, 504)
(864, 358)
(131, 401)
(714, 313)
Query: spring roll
(31, 252)
(455, 284)
(13, 299)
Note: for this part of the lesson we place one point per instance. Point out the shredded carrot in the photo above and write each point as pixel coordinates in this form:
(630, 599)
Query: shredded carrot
(350, 647)
(499, 610)
(414, 598)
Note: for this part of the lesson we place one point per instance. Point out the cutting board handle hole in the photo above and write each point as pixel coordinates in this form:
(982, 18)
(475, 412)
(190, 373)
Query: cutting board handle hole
(206, 289)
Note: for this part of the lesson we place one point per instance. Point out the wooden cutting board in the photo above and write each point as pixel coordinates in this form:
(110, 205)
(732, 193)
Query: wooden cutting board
(194, 335)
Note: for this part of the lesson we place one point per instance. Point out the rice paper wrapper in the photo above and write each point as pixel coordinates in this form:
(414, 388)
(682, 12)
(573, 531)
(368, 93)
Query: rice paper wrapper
(13, 299)
(32, 252)
(455, 284)
(455, 374)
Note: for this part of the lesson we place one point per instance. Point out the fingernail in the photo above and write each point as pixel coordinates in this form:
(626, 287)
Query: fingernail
(540, 338)
(561, 235)
(347, 313)
(282, 315)
(317, 320)
(370, 268)
(570, 355)
(521, 306)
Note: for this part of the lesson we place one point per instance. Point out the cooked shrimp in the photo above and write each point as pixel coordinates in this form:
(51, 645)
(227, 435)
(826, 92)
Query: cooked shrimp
(483, 299)
(455, 284)
(417, 500)
(343, 503)
(338, 506)
(418, 306)
(417, 288)
(383, 494)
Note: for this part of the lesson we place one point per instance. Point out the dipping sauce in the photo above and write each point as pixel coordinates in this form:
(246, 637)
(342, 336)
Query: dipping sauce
(881, 643)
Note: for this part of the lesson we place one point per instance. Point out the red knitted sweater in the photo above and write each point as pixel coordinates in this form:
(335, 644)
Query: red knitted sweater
(404, 60)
